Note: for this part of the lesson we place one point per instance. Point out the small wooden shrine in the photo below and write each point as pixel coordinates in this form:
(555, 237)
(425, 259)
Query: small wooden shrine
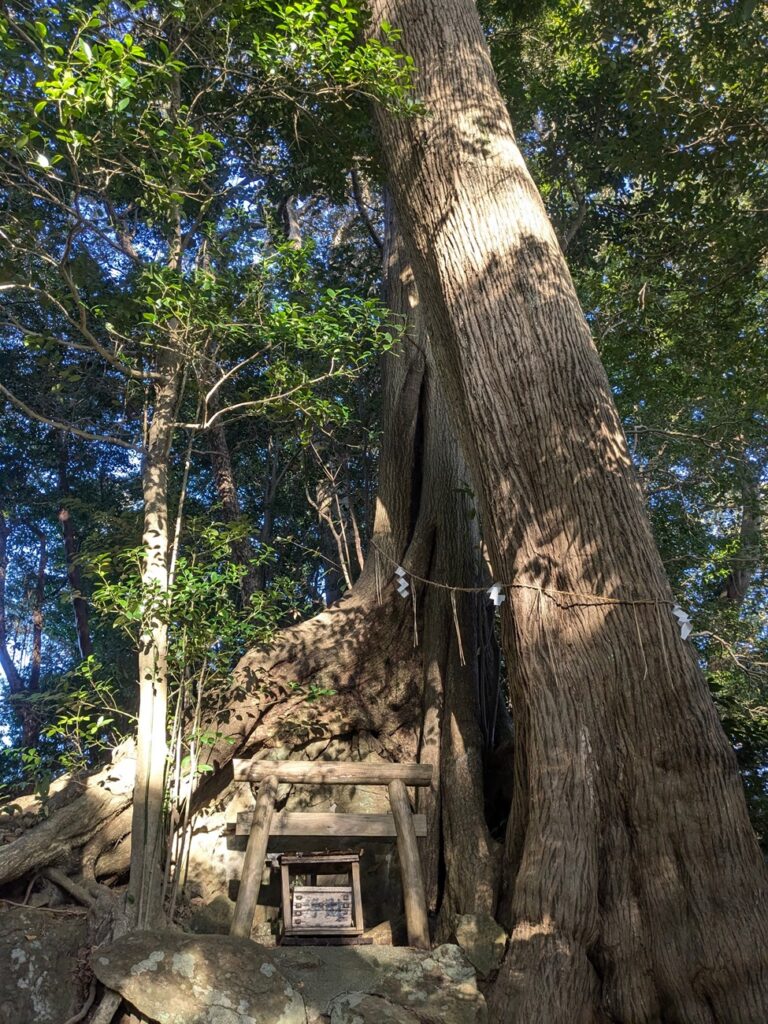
(329, 913)
(321, 911)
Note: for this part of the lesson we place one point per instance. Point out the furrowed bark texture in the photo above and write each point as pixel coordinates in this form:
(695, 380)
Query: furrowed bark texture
(444, 545)
(634, 887)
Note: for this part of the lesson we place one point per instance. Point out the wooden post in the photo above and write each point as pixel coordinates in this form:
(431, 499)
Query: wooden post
(285, 894)
(410, 866)
(255, 856)
(356, 895)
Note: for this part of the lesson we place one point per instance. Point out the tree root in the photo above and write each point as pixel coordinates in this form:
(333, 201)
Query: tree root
(83, 1011)
(93, 801)
(68, 885)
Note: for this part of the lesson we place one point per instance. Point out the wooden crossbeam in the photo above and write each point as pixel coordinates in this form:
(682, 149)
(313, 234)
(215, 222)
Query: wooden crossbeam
(337, 773)
(316, 823)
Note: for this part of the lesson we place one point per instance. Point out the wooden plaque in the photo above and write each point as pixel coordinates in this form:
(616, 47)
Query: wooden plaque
(327, 907)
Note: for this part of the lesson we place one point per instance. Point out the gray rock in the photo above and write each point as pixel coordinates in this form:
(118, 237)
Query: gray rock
(389, 933)
(38, 979)
(434, 988)
(439, 988)
(321, 973)
(356, 1008)
(173, 978)
(482, 939)
(212, 918)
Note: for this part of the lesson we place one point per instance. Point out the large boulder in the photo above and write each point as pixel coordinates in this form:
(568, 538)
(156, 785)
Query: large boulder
(39, 978)
(175, 978)
(212, 918)
(483, 940)
(438, 987)
(357, 1008)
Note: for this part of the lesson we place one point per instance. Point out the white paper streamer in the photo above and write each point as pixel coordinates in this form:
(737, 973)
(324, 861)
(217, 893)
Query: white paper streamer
(497, 595)
(403, 586)
(686, 626)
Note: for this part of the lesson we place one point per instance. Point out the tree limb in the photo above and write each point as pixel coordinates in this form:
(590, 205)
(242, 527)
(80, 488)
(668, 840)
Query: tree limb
(68, 428)
(361, 209)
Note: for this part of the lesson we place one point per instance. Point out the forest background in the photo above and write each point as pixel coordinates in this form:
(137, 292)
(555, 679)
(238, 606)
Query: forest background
(200, 189)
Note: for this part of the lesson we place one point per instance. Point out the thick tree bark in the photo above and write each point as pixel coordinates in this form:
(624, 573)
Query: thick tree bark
(444, 546)
(405, 699)
(634, 886)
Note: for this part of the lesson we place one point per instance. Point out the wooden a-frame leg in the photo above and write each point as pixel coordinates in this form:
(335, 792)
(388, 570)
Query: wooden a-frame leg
(410, 867)
(255, 856)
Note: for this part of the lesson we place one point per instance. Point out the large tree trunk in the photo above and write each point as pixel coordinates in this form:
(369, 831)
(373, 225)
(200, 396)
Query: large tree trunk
(634, 885)
(400, 686)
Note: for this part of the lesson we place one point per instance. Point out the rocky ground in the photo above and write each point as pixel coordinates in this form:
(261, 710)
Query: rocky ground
(174, 977)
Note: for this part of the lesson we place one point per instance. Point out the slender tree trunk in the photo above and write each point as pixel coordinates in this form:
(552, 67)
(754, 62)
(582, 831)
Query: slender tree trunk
(13, 677)
(24, 685)
(226, 490)
(147, 830)
(633, 883)
(79, 602)
(15, 680)
(37, 613)
(273, 474)
(748, 555)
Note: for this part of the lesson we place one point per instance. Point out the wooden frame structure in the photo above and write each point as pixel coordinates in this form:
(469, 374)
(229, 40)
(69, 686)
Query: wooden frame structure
(402, 823)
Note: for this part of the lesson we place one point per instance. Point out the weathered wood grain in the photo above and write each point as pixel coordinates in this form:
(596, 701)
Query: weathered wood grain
(410, 866)
(347, 773)
(326, 907)
(317, 823)
(255, 856)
